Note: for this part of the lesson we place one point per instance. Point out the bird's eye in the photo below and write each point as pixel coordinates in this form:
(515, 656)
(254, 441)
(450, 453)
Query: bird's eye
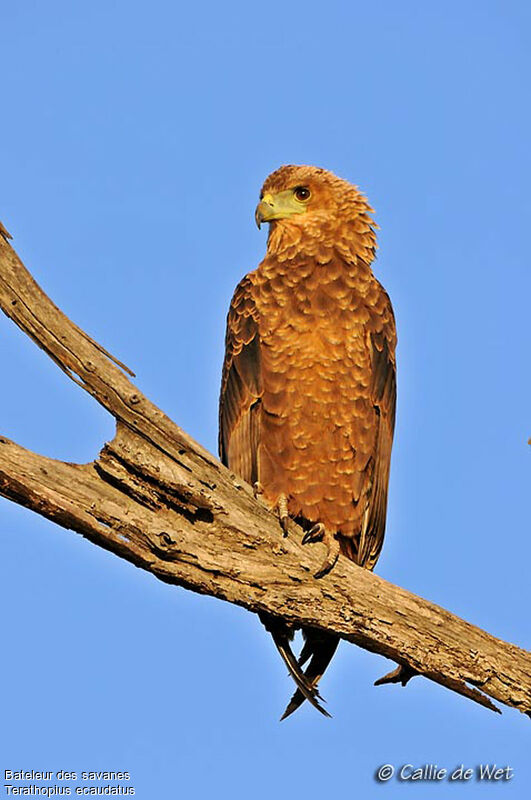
(302, 193)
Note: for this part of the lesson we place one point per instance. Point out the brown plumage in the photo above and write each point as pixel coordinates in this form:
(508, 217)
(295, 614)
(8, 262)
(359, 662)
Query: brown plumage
(308, 391)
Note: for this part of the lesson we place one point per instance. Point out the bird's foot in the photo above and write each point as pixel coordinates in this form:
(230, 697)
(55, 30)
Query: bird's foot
(280, 508)
(318, 533)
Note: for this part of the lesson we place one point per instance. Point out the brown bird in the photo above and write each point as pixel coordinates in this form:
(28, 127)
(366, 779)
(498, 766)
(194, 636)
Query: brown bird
(308, 391)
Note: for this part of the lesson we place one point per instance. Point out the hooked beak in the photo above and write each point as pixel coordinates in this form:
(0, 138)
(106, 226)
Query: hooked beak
(265, 210)
(281, 205)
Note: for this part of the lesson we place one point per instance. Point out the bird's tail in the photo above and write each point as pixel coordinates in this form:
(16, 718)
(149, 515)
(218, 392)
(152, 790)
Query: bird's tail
(320, 648)
(282, 635)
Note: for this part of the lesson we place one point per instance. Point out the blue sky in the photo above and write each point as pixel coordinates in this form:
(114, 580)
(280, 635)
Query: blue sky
(134, 141)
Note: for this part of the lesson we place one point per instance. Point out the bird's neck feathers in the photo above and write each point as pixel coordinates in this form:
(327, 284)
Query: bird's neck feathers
(324, 239)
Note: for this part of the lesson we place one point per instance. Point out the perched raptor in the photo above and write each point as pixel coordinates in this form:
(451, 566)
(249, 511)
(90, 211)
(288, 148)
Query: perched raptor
(308, 390)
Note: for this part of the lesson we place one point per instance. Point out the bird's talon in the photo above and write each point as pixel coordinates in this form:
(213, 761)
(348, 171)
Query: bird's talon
(318, 533)
(315, 534)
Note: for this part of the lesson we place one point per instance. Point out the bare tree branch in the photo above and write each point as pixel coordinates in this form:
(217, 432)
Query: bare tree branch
(159, 500)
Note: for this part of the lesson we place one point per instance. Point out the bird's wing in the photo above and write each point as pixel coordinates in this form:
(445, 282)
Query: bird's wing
(241, 386)
(239, 435)
(382, 346)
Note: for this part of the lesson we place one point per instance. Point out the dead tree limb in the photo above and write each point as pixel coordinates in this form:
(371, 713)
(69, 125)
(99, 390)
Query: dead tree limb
(159, 500)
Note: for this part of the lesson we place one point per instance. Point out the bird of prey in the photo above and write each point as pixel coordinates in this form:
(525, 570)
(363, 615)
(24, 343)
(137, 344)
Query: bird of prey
(308, 391)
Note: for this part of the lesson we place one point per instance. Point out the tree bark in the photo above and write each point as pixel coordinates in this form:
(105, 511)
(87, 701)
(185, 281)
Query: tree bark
(158, 499)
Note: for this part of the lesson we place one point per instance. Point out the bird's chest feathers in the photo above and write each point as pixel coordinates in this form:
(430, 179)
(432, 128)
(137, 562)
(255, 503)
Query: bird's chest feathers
(314, 312)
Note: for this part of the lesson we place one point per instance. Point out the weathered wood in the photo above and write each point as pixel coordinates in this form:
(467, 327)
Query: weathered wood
(159, 500)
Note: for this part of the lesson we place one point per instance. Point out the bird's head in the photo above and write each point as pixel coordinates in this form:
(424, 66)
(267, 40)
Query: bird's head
(310, 208)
